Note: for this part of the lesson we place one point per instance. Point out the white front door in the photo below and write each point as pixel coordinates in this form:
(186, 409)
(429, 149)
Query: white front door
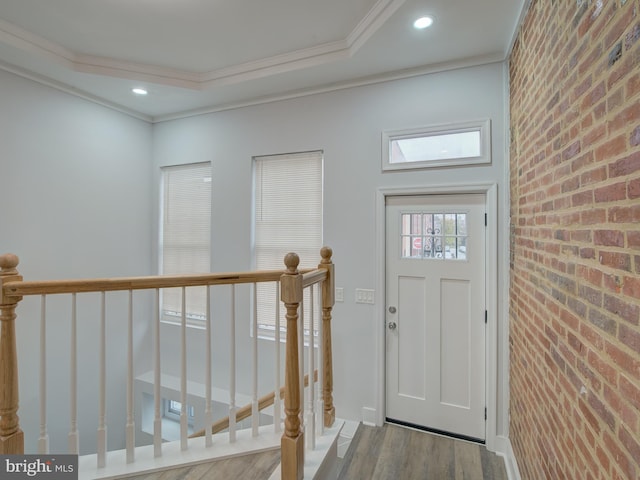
(435, 312)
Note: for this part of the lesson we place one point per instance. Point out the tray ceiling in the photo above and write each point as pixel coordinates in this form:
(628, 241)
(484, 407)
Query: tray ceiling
(203, 55)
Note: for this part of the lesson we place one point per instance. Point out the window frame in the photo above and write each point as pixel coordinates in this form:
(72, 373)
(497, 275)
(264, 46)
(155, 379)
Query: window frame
(482, 126)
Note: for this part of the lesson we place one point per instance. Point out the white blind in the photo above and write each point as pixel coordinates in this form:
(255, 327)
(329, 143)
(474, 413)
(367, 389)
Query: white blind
(288, 218)
(186, 234)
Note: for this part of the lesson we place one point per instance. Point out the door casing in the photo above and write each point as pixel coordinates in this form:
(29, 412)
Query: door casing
(490, 190)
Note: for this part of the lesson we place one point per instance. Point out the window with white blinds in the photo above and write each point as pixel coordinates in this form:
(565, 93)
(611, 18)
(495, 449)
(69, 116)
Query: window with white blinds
(287, 218)
(185, 239)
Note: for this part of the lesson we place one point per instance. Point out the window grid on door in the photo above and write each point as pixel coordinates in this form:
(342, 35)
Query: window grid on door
(427, 235)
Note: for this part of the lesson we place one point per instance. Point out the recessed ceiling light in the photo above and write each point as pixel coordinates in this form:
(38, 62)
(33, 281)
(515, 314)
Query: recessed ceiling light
(423, 22)
(139, 91)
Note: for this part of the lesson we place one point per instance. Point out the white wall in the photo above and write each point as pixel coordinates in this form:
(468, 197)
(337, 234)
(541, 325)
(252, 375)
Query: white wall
(347, 126)
(75, 201)
(79, 199)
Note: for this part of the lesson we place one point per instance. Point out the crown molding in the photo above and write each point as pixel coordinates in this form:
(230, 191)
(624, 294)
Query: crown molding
(361, 82)
(325, 53)
(20, 72)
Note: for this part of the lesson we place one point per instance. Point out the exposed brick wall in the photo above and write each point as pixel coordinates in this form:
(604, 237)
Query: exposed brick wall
(575, 212)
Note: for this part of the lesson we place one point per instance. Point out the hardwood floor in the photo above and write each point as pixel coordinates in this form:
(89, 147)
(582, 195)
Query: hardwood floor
(257, 466)
(398, 453)
(376, 453)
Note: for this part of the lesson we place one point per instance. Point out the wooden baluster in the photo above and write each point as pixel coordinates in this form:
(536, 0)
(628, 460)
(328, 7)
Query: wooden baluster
(208, 412)
(310, 419)
(11, 436)
(102, 395)
(328, 300)
(277, 407)
(43, 440)
(130, 427)
(292, 443)
(157, 399)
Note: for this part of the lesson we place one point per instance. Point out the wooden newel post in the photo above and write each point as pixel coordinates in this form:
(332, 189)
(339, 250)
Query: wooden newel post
(292, 443)
(11, 437)
(328, 300)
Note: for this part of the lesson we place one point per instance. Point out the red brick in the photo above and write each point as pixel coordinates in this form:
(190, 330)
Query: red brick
(617, 29)
(592, 216)
(611, 193)
(615, 101)
(633, 86)
(633, 190)
(613, 238)
(624, 214)
(589, 416)
(593, 337)
(629, 442)
(582, 161)
(621, 459)
(631, 286)
(621, 71)
(626, 411)
(602, 411)
(608, 373)
(630, 391)
(613, 283)
(625, 166)
(617, 260)
(625, 310)
(602, 458)
(592, 275)
(593, 176)
(611, 149)
(634, 138)
(626, 117)
(596, 94)
(586, 198)
(625, 361)
(574, 185)
(629, 337)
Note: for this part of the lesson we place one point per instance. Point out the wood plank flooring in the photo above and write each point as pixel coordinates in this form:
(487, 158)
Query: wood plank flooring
(398, 453)
(256, 466)
(376, 453)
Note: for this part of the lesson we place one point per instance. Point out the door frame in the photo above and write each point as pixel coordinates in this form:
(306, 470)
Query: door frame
(490, 190)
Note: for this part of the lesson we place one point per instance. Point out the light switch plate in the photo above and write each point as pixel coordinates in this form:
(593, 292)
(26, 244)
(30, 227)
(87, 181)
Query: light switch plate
(339, 294)
(364, 295)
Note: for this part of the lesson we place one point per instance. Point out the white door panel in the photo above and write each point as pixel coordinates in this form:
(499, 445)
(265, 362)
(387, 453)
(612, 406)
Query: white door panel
(435, 312)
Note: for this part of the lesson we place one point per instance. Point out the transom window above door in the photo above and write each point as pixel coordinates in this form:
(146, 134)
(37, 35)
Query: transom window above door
(437, 146)
(434, 235)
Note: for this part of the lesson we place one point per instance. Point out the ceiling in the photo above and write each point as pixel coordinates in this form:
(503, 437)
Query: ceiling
(206, 55)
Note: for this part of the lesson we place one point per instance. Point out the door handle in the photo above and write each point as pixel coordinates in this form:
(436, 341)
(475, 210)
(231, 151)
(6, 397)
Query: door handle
(392, 325)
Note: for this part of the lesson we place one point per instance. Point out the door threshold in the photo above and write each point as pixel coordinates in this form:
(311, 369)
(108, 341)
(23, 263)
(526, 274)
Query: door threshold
(435, 431)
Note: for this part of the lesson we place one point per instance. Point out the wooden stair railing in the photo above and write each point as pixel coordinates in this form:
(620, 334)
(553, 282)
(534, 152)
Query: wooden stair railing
(11, 436)
(292, 283)
(245, 412)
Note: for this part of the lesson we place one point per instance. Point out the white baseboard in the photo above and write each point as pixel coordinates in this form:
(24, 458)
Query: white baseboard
(346, 435)
(369, 416)
(505, 450)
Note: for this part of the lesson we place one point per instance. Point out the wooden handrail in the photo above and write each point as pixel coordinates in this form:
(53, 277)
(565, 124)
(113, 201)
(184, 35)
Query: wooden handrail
(16, 288)
(313, 277)
(245, 412)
